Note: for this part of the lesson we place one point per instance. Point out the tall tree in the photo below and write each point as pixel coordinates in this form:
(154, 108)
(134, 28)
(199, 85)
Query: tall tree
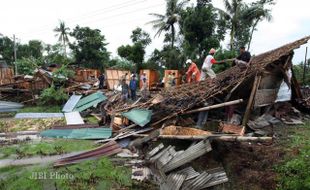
(166, 22)
(234, 13)
(62, 34)
(200, 28)
(135, 52)
(89, 48)
(257, 13)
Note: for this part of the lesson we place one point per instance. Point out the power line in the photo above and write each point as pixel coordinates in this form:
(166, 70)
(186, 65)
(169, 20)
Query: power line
(105, 18)
(98, 12)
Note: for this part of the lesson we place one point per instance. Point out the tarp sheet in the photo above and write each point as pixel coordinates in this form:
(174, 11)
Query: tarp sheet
(71, 103)
(89, 101)
(140, 117)
(87, 133)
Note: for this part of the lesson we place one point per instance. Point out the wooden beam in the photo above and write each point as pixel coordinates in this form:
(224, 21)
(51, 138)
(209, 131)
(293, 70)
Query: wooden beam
(251, 100)
(214, 106)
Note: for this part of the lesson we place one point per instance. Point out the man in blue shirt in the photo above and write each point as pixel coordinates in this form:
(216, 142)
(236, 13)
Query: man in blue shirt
(133, 87)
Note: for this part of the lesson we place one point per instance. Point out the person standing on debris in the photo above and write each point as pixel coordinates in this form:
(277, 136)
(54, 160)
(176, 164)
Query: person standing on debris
(101, 81)
(207, 65)
(193, 73)
(174, 80)
(243, 58)
(169, 80)
(144, 89)
(125, 90)
(133, 86)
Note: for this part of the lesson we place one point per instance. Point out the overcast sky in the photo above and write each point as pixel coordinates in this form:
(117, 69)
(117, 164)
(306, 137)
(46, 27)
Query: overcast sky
(36, 19)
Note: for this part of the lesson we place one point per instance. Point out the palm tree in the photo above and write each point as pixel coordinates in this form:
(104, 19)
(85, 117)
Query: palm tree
(166, 22)
(62, 34)
(256, 14)
(234, 13)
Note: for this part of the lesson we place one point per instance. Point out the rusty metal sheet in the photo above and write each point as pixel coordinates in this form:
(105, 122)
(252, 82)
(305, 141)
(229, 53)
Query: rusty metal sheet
(265, 97)
(107, 149)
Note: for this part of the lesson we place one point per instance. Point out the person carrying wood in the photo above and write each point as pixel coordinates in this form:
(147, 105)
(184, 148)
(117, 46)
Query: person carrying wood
(193, 73)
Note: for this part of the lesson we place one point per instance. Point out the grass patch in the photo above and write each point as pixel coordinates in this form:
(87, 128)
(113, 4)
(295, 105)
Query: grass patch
(294, 172)
(59, 146)
(95, 174)
(41, 109)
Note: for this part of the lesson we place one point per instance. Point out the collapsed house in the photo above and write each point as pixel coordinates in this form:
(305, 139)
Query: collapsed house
(263, 82)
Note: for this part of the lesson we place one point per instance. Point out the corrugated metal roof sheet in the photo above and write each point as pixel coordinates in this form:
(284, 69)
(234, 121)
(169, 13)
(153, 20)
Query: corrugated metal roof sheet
(89, 101)
(10, 106)
(88, 133)
(74, 118)
(107, 149)
(71, 103)
(140, 117)
(38, 115)
(189, 172)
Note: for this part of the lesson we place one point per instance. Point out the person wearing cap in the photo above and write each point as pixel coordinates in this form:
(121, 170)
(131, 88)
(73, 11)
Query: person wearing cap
(193, 73)
(133, 87)
(207, 65)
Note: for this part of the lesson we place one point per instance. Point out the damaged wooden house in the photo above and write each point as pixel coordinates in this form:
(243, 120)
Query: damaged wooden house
(267, 80)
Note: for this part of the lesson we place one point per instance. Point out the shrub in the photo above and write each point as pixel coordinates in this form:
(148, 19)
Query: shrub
(53, 96)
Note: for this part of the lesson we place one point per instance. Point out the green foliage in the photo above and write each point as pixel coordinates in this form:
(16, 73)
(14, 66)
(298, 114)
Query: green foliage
(55, 55)
(7, 49)
(34, 48)
(223, 54)
(62, 74)
(124, 64)
(62, 33)
(99, 174)
(89, 48)
(166, 23)
(295, 171)
(27, 66)
(53, 96)
(299, 72)
(198, 26)
(135, 52)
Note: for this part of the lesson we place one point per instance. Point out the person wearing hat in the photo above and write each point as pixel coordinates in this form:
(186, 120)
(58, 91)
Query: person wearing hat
(193, 73)
(207, 65)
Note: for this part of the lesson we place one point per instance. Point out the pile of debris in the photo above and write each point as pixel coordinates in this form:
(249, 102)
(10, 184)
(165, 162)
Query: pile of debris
(164, 163)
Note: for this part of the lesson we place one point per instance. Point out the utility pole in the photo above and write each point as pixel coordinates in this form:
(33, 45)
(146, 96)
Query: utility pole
(15, 55)
(305, 68)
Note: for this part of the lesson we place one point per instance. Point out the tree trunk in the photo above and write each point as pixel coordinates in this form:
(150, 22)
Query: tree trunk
(232, 34)
(65, 52)
(172, 36)
(252, 32)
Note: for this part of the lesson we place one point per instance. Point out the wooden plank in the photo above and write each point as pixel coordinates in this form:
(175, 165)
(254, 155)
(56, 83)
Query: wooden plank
(251, 99)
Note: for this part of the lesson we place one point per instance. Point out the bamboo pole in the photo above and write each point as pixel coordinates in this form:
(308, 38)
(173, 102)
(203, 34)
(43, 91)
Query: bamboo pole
(219, 137)
(214, 106)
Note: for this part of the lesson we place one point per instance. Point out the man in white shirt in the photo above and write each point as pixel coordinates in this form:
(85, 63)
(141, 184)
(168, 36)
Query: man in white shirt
(207, 65)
